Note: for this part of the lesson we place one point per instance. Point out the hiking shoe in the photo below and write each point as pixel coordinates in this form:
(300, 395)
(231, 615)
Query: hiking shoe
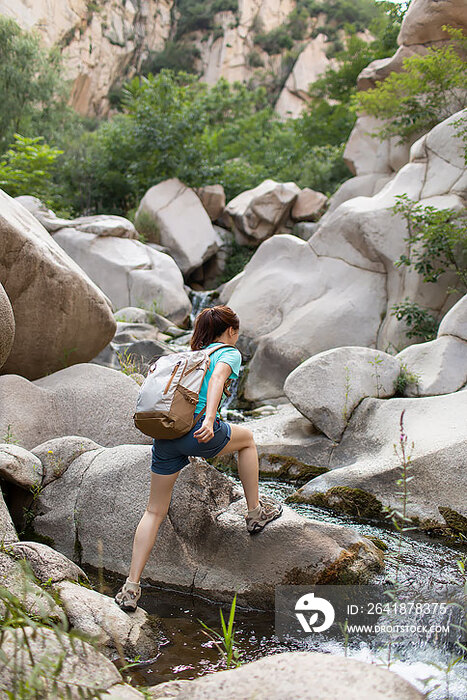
(270, 510)
(128, 596)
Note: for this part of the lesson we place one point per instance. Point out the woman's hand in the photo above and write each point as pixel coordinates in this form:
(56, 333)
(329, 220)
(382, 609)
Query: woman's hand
(206, 432)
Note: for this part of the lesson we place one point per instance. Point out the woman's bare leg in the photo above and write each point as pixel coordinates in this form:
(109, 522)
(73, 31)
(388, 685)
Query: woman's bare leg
(242, 441)
(148, 527)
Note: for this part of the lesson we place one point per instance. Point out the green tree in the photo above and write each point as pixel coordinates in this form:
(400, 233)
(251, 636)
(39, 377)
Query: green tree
(31, 86)
(27, 167)
(428, 89)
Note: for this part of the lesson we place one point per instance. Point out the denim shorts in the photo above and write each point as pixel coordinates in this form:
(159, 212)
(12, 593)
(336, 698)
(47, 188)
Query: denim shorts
(169, 456)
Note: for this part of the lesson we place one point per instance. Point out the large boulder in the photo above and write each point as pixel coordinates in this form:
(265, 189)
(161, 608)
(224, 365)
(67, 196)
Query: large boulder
(365, 468)
(327, 387)
(20, 467)
(85, 399)
(203, 544)
(306, 675)
(61, 316)
(129, 272)
(95, 614)
(455, 321)
(260, 212)
(172, 215)
(100, 224)
(308, 205)
(213, 200)
(440, 366)
(296, 298)
(7, 326)
(424, 20)
(48, 565)
(7, 529)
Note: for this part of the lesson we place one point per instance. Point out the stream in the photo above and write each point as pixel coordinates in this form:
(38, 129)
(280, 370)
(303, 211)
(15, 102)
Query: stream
(425, 563)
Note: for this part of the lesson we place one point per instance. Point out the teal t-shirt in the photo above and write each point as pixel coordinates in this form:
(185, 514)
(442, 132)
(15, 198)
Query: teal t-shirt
(231, 356)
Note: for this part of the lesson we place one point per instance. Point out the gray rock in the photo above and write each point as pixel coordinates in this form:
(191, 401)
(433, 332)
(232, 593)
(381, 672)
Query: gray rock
(17, 580)
(441, 366)
(7, 326)
(123, 691)
(116, 631)
(57, 454)
(203, 544)
(19, 466)
(327, 387)
(7, 529)
(84, 668)
(61, 316)
(47, 564)
(295, 674)
(132, 314)
(455, 321)
(85, 399)
(365, 458)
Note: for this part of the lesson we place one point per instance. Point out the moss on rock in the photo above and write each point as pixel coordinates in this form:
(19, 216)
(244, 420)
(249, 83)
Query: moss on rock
(343, 499)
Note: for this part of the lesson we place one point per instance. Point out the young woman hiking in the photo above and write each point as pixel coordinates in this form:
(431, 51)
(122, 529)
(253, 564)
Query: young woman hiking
(209, 436)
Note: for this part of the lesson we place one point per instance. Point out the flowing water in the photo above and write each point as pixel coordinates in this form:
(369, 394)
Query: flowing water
(423, 564)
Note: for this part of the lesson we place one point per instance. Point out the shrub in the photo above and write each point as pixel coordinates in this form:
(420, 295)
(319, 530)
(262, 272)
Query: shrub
(428, 89)
(275, 41)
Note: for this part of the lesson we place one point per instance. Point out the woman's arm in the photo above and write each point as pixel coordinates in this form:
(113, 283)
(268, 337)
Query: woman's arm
(218, 378)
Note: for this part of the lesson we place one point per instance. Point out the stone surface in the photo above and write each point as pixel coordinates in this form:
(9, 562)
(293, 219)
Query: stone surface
(365, 458)
(306, 675)
(380, 69)
(203, 544)
(358, 186)
(179, 222)
(424, 20)
(7, 529)
(296, 299)
(7, 326)
(441, 366)
(19, 466)
(308, 205)
(213, 200)
(57, 454)
(96, 614)
(129, 272)
(82, 664)
(47, 564)
(350, 375)
(260, 212)
(61, 316)
(101, 224)
(85, 399)
(100, 43)
(131, 314)
(455, 321)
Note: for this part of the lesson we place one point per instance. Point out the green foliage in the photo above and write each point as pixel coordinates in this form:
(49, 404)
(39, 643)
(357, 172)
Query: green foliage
(31, 86)
(437, 241)
(225, 642)
(239, 256)
(199, 15)
(275, 41)
(178, 56)
(422, 325)
(429, 89)
(406, 377)
(27, 168)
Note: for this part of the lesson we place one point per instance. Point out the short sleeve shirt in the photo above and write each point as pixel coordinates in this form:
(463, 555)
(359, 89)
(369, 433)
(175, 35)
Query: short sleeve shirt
(230, 356)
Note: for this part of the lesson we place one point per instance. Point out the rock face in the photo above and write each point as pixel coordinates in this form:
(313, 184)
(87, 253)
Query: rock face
(99, 42)
(455, 321)
(365, 459)
(260, 212)
(351, 374)
(441, 366)
(7, 529)
(101, 225)
(129, 272)
(213, 200)
(85, 399)
(296, 298)
(295, 674)
(61, 316)
(221, 559)
(173, 216)
(7, 326)
(425, 18)
(19, 466)
(308, 205)
(46, 563)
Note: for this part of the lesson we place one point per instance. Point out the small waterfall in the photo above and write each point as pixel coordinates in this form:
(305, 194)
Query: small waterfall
(200, 301)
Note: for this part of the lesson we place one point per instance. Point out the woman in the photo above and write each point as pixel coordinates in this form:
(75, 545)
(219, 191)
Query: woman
(209, 436)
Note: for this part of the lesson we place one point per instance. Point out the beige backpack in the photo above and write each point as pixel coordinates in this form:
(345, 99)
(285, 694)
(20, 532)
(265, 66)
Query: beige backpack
(168, 396)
